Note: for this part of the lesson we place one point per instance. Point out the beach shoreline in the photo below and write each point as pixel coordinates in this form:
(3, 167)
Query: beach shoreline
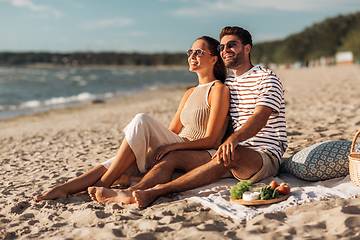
(25, 90)
(41, 150)
(103, 67)
(13, 114)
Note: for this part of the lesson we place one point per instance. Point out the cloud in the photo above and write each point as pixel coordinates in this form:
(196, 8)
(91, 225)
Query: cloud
(211, 7)
(44, 10)
(111, 22)
(300, 6)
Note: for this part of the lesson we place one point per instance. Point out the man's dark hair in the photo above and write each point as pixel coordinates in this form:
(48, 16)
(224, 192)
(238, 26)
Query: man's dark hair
(242, 34)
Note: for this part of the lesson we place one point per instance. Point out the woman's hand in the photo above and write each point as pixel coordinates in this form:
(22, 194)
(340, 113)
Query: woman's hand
(162, 151)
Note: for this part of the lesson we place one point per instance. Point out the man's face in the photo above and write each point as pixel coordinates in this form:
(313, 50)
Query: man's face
(234, 56)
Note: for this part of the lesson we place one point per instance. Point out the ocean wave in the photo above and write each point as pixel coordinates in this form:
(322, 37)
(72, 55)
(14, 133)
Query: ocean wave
(29, 90)
(82, 97)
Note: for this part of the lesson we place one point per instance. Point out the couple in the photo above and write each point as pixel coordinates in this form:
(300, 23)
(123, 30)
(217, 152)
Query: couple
(253, 96)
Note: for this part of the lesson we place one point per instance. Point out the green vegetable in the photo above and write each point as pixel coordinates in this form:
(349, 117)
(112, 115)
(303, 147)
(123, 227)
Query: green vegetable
(276, 194)
(237, 191)
(268, 193)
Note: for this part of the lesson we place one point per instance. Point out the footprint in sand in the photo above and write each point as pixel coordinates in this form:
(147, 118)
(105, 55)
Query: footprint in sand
(102, 214)
(20, 207)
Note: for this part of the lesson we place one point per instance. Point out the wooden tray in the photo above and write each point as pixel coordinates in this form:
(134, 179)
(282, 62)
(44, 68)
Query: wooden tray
(260, 201)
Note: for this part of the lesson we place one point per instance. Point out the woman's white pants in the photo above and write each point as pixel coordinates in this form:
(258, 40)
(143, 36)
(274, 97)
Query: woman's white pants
(144, 135)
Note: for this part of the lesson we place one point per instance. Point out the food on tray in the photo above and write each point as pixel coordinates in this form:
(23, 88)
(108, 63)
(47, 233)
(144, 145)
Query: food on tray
(237, 191)
(273, 184)
(248, 191)
(249, 196)
(267, 193)
(256, 187)
(283, 188)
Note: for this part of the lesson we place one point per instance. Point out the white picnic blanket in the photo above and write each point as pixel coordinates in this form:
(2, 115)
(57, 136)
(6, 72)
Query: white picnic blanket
(216, 196)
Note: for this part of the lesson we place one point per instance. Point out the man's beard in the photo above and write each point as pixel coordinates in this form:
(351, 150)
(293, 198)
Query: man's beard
(237, 60)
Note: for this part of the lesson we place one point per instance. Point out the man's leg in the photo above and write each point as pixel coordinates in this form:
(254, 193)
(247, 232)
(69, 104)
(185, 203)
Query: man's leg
(198, 177)
(161, 173)
(246, 163)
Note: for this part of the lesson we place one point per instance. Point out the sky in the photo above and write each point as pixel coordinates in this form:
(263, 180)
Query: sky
(149, 26)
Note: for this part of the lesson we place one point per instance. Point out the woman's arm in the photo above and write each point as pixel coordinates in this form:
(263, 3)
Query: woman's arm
(219, 100)
(176, 125)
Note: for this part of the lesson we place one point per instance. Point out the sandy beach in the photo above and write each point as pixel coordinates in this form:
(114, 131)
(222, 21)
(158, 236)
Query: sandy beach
(45, 149)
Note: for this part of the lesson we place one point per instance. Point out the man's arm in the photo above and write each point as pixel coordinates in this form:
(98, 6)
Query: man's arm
(252, 126)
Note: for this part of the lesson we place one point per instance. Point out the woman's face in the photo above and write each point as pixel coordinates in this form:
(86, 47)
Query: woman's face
(198, 63)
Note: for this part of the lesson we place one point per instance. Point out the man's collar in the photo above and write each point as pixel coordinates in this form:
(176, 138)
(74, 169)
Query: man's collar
(250, 71)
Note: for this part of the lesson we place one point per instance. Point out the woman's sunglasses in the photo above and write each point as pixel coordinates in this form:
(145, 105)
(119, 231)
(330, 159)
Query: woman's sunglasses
(197, 52)
(229, 44)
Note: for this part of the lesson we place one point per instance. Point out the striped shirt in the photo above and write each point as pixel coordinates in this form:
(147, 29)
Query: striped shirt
(259, 87)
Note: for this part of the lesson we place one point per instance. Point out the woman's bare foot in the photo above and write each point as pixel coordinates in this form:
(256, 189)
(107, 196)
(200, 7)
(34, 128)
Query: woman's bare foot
(106, 195)
(144, 198)
(55, 192)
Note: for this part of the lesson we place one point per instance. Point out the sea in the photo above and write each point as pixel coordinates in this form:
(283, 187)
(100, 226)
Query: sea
(28, 90)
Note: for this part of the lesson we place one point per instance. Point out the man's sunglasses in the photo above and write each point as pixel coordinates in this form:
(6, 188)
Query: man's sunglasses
(229, 44)
(197, 53)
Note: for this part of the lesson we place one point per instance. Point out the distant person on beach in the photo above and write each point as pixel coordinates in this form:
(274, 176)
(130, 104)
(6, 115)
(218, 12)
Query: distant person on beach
(253, 151)
(199, 123)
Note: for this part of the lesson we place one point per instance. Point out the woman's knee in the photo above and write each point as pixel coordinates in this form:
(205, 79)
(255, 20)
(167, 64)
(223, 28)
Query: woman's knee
(141, 117)
(139, 122)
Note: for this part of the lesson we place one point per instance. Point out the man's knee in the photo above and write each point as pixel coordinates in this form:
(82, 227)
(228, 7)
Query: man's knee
(244, 156)
(246, 163)
(186, 159)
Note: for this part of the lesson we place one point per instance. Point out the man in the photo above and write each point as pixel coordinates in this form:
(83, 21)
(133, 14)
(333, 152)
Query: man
(253, 151)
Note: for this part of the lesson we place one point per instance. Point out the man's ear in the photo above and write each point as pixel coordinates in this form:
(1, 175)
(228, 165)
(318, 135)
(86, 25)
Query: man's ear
(247, 48)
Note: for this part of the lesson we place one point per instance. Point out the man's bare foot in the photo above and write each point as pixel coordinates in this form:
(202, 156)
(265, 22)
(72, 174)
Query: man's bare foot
(144, 198)
(106, 195)
(55, 192)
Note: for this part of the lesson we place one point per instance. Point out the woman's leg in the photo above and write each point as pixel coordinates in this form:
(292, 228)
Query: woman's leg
(98, 176)
(122, 161)
(75, 185)
(144, 132)
(141, 134)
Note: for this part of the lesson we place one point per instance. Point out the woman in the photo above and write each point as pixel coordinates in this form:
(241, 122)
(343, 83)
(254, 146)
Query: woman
(201, 118)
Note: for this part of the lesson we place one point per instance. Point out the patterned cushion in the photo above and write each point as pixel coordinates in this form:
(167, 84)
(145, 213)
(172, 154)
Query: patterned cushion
(320, 161)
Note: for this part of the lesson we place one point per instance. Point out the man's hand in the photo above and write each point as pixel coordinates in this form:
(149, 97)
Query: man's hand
(226, 152)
